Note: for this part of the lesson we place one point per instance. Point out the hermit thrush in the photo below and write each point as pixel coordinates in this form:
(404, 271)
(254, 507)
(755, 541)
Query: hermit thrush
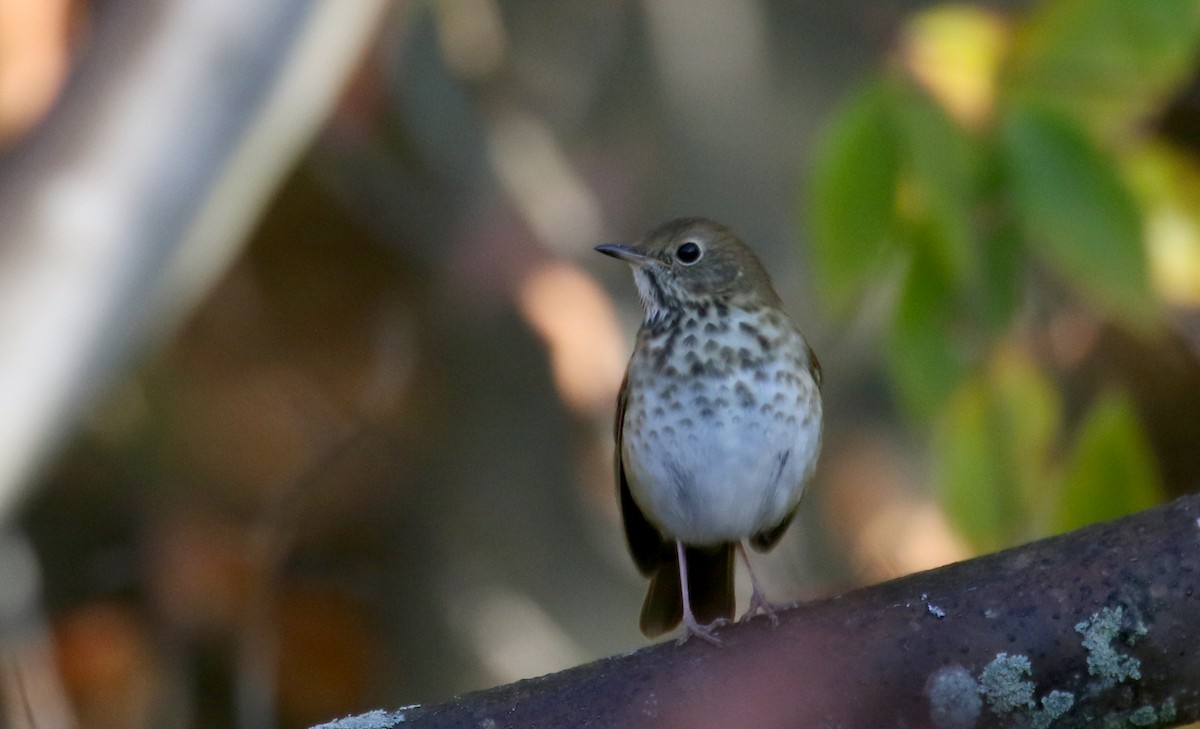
(718, 422)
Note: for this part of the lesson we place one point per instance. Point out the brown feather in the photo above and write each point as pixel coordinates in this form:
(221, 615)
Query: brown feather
(815, 365)
(710, 586)
(768, 538)
(663, 607)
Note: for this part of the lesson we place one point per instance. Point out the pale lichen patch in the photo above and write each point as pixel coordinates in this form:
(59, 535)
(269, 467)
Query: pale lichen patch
(1004, 685)
(377, 719)
(1144, 716)
(1100, 632)
(1054, 704)
(1149, 716)
(954, 700)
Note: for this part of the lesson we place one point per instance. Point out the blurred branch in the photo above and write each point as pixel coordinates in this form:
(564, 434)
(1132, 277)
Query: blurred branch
(1091, 628)
(119, 212)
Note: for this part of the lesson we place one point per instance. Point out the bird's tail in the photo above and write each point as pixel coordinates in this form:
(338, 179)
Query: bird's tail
(710, 586)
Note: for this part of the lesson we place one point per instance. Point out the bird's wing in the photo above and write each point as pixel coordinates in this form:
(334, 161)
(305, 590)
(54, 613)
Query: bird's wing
(768, 538)
(645, 542)
(815, 364)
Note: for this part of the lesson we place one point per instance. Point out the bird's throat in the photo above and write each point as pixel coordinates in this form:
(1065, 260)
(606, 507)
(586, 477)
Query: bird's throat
(652, 293)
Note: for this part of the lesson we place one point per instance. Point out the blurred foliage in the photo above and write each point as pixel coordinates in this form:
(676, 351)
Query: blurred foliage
(998, 171)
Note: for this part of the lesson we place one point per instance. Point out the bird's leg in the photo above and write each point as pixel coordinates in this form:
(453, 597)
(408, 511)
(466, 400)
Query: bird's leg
(690, 625)
(758, 599)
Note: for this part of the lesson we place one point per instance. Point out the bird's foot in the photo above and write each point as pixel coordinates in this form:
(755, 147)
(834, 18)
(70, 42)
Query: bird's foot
(704, 632)
(760, 604)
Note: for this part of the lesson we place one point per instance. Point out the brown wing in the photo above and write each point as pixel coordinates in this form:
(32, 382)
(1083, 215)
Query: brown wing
(815, 365)
(645, 543)
(768, 538)
(710, 584)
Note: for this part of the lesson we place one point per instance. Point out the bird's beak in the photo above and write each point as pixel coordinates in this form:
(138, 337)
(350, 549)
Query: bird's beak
(628, 254)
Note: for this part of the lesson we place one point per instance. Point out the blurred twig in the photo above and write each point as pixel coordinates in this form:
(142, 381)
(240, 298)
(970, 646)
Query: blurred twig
(1092, 628)
(32, 694)
(268, 548)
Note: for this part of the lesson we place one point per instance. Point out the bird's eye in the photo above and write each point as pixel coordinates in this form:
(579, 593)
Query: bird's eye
(688, 253)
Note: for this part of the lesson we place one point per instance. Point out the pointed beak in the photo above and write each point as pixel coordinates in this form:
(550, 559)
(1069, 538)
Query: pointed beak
(628, 254)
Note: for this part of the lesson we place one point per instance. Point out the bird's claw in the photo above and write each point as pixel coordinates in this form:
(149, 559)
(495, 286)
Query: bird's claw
(759, 604)
(704, 632)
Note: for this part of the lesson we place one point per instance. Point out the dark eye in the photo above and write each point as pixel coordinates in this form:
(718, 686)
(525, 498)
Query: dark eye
(688, 253)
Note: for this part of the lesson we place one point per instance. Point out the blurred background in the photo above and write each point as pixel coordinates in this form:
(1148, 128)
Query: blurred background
(307, 367)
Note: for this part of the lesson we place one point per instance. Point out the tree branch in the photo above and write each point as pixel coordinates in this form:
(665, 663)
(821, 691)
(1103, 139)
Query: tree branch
(1092, 627)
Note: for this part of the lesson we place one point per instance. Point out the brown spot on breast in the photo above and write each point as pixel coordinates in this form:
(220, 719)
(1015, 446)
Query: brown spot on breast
(745, 395)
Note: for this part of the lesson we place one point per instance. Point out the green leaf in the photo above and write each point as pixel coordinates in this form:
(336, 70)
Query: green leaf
(852, 198)
(1002, 255)
(990, 448)
(1111, 469)
(938, 177)
(1109, 62)
(1032, 413)
(1077, 212)
(974, 487)
(925, 357)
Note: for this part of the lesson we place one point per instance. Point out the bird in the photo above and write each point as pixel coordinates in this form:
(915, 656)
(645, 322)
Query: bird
(718, 423)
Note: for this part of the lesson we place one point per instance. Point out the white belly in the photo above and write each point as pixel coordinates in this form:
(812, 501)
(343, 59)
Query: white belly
(729, 474)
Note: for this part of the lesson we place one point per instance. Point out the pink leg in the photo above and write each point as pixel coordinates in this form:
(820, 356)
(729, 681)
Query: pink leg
(758, 598)
(690, 626)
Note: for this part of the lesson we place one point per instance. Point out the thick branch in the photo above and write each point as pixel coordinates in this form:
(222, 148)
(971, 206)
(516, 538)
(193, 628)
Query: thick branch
(1097, 625)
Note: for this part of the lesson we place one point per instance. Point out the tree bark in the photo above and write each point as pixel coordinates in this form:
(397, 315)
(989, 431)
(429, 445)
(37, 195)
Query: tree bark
(1098, 627)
